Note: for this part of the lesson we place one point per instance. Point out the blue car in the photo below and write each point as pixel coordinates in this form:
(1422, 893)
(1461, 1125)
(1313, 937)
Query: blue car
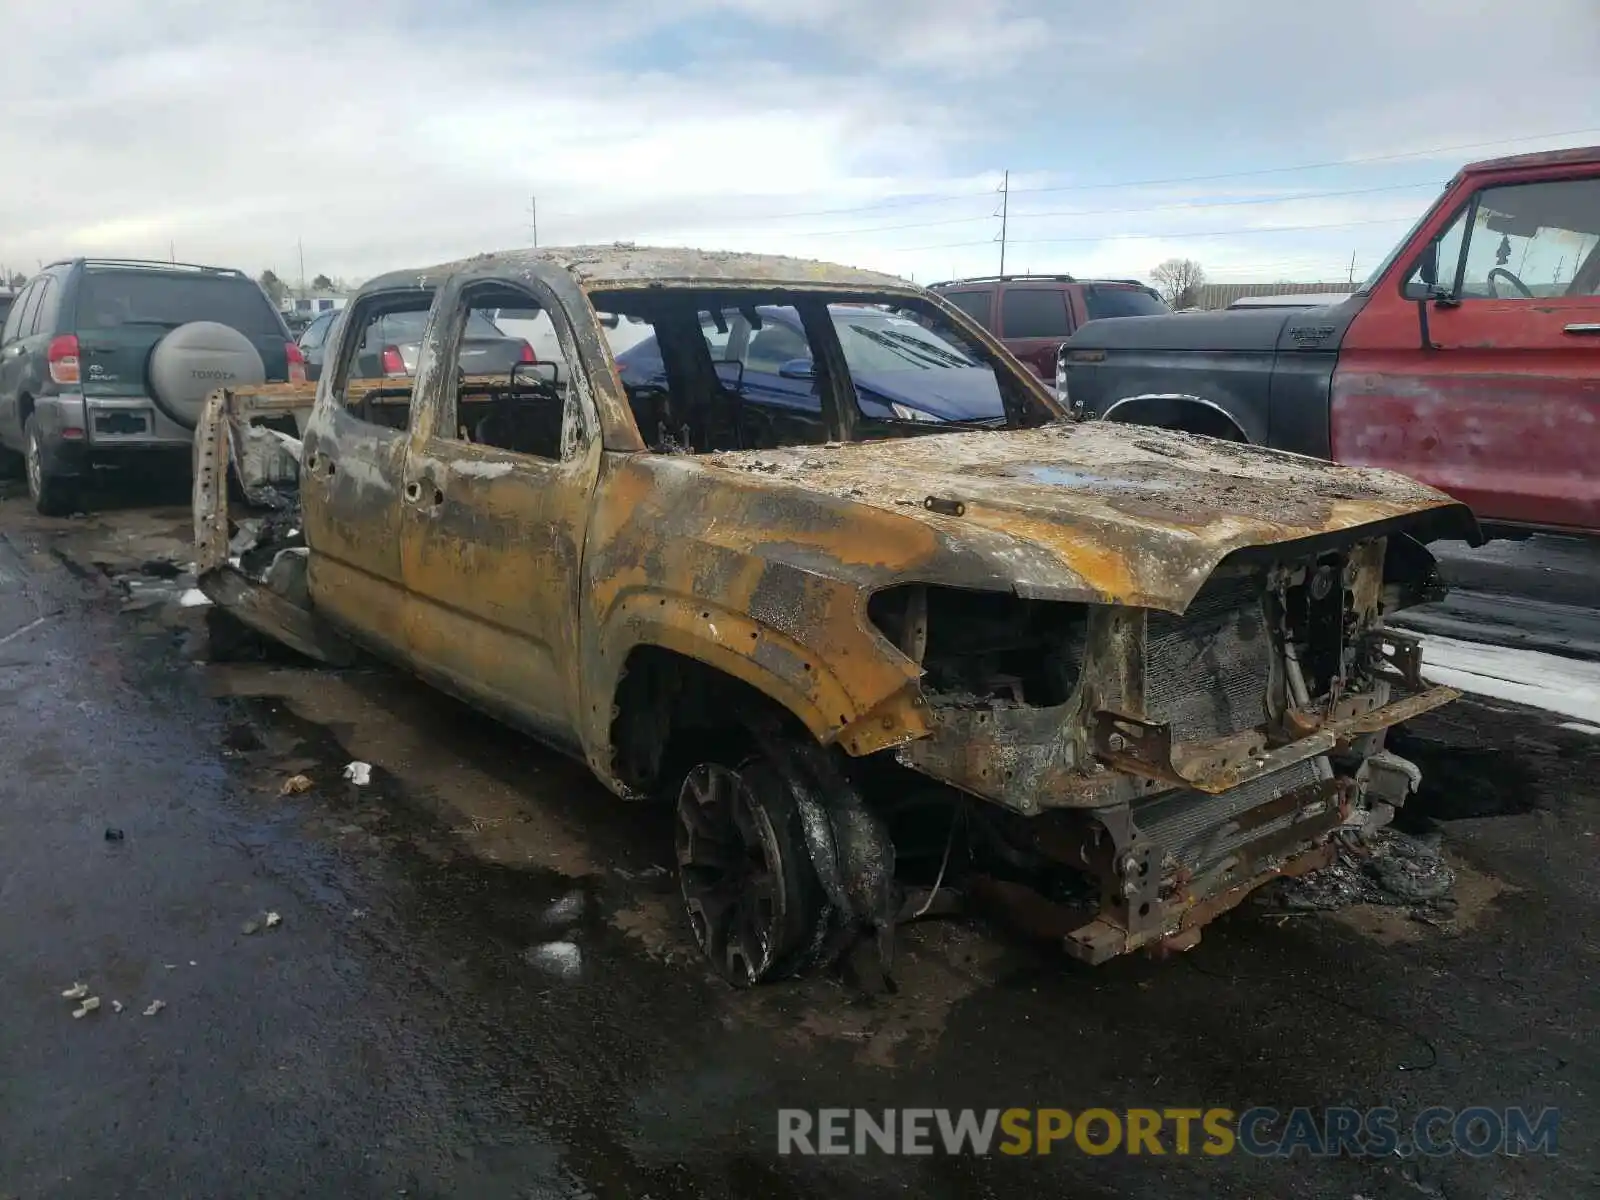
(902, 371)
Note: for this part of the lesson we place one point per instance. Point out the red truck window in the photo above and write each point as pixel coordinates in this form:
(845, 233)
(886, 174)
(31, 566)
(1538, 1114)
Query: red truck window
(1525, 240)
(977, 305)
(1033, 313)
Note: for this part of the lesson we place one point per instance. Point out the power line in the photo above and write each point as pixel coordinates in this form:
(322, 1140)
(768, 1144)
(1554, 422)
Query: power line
(1343, 162)
(911, 202)
(1093, 212)
(1174, 234)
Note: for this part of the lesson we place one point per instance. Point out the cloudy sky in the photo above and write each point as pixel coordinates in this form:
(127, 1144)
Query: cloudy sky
(1267, 140)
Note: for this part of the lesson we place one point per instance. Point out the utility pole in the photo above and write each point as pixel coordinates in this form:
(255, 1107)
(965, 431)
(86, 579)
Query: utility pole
(1004, 215)
(533, 218)
(300, 244)
(172, 251)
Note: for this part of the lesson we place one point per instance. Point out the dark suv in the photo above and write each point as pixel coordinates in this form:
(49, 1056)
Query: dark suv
(102, 360)
(1034, 314)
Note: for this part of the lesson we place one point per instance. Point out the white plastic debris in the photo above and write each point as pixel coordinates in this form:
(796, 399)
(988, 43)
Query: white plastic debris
(88, 1006)
(194, 598)
(116, 1006)
(154, 1007)
(76, 992)
(562, 959)
(359, 773)
(272, 920)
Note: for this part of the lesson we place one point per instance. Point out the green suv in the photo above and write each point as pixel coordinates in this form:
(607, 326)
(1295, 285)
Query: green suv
(103, 361)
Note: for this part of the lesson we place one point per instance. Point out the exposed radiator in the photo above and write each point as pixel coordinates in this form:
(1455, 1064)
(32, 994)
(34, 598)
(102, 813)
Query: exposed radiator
(1206, 672)
(1184, 825)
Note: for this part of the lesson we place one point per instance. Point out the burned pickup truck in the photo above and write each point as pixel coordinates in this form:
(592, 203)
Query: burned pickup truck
(873, 660)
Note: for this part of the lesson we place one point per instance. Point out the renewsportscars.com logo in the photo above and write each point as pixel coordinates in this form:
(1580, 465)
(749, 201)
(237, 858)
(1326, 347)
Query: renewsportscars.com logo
(1258, 1132)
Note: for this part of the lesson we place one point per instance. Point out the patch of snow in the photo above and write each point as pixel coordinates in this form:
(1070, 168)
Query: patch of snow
(1567, 686)
(1580, 727)
(194, 598)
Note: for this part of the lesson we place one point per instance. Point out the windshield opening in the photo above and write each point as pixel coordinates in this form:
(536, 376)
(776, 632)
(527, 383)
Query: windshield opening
(736, 370)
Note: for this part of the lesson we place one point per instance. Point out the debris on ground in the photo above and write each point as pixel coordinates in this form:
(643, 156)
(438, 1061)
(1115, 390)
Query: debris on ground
(1382, 867)
(154, 1007)
(113, 835)
(76, 992)
(116, 1006)
(89, 1005)
(359, 773)
(295, 784)
(267, 920)
(562, 959)
(194, 598)
(566, 910)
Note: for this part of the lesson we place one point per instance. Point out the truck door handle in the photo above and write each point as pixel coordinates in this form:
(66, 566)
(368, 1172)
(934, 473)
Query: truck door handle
(1590, 327)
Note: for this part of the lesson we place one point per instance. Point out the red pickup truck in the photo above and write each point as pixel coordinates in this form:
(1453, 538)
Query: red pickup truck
(1469, 360)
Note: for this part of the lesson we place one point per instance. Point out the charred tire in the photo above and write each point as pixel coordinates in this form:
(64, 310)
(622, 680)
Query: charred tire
(52, 494)
(750, 892)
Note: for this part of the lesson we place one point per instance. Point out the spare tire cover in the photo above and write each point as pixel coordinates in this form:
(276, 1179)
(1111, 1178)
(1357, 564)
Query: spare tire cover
(196, 359)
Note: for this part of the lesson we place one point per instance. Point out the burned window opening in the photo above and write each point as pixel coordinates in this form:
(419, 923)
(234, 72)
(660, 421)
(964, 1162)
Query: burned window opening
(374, 379)
(502, 395)
(979, 648)
(750, 370)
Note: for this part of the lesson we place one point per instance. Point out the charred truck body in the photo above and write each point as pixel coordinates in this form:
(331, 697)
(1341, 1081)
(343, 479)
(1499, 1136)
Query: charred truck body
(1132, 673)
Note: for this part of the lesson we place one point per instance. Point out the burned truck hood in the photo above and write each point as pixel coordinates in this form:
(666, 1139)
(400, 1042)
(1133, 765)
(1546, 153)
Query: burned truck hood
(1100, 512)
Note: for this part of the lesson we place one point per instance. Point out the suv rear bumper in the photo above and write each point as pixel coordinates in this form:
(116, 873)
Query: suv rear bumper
(132, 422)
(75, 429)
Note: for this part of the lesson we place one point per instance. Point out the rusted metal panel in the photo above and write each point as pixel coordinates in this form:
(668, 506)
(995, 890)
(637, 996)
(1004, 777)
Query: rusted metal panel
(266, 612)
(1146, 748)
(1096, 512)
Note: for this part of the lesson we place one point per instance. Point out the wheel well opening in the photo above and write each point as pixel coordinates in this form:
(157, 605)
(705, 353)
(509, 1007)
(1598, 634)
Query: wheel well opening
(24, 408)
(671, 711)
(1175, 412)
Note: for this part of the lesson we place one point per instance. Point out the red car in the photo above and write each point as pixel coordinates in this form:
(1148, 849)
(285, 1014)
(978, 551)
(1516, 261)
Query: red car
(1034, 314)
(1469, 360)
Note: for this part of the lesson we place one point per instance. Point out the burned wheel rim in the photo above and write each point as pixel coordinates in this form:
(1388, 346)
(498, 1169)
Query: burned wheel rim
(741, 872)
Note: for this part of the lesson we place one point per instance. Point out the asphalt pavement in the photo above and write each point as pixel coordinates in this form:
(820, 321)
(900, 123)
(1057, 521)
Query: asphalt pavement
(478, 983)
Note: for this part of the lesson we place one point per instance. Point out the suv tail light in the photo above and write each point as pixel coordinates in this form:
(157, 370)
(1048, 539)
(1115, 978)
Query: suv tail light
(62, 355)
(528, 356)
(297, 362)
(393, 365)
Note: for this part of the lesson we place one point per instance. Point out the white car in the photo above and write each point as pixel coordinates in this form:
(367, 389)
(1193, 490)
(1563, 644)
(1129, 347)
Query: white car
(533, 326)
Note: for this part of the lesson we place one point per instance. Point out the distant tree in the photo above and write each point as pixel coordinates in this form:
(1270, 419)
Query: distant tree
(18, 279)
(322, 283)
(1179, 281)
(273, 286)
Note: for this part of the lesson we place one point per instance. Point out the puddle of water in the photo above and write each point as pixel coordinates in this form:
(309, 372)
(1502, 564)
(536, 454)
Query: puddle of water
(1074, 477)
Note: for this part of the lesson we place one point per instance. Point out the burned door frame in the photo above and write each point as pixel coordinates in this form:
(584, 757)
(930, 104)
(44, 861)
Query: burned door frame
(492, 539)
(351, 479)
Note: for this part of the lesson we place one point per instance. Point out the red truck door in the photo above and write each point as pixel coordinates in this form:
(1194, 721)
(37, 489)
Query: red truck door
(1502, 410)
